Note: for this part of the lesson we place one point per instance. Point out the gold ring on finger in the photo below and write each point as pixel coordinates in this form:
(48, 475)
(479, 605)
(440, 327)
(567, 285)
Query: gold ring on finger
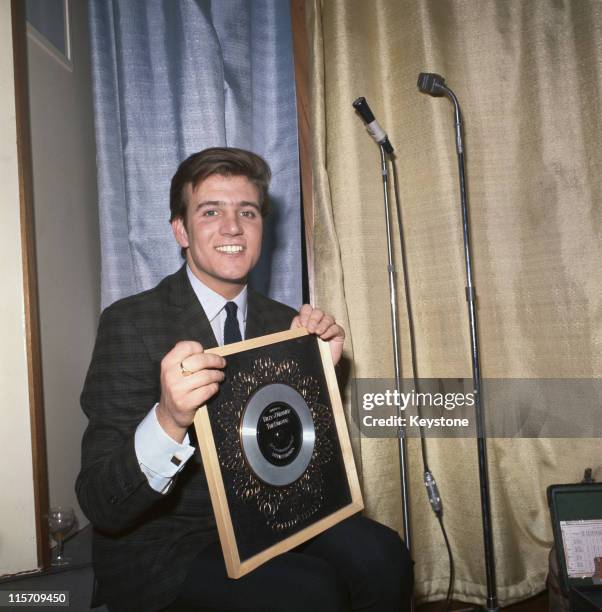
(184, 371)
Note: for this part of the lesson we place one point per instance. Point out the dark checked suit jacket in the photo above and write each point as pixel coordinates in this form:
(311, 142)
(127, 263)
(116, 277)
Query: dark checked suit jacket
(144, 541)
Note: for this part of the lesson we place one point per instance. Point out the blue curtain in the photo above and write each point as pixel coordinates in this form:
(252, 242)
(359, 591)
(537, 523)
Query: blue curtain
(174, 77)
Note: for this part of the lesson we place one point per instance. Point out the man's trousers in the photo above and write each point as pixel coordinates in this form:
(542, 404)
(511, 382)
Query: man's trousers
(358, 564)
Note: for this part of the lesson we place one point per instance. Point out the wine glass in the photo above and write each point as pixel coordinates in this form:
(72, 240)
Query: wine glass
(60, 520)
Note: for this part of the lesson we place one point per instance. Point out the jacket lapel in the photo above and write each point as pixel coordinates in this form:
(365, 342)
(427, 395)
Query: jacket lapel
(256, 324)
(191, 324)
(190, 316)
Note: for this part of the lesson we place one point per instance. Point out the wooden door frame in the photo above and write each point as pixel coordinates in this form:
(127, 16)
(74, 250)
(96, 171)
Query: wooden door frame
(302, 72)
(30, 283)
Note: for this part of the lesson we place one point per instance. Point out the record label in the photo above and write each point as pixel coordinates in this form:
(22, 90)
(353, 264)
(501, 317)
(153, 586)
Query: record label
(279, 433)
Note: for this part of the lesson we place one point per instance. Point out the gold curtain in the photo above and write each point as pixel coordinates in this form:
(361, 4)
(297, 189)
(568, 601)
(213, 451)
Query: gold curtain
(529, 78)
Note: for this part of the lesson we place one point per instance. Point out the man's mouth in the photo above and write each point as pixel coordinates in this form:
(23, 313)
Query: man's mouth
(229, 248)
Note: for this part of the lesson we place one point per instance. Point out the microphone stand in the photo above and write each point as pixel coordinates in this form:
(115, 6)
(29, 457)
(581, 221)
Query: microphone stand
(378, 134)
(492, 602)
(401, 439)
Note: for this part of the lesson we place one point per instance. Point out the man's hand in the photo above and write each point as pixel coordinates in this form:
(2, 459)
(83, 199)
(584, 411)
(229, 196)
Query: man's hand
(317, 322)
(189, 377)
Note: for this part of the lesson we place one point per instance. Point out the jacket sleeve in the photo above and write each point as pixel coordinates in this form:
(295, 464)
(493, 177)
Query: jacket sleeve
(122, 385)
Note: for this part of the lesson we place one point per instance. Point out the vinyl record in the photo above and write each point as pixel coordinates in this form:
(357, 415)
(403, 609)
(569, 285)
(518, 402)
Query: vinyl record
(277, 434)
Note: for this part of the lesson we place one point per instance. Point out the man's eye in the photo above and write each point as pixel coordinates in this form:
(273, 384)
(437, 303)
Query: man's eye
(209, 213)
(250, 214)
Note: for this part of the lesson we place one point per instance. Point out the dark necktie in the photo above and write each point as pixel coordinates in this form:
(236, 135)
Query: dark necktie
(231, 328)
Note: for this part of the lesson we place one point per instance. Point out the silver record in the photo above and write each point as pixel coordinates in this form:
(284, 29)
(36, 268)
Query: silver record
(286, 404)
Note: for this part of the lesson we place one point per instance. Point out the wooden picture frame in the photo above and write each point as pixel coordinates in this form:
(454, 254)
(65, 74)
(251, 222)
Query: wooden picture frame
(341, 492)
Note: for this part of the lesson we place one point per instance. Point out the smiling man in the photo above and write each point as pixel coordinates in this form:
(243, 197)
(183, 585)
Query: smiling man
(222, 229)
(142, 483)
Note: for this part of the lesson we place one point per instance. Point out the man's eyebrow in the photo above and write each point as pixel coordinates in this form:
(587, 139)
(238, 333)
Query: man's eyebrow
(221, 203)
(251, 204)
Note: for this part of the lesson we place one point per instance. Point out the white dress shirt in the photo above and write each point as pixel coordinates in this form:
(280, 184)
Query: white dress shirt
(160, 456)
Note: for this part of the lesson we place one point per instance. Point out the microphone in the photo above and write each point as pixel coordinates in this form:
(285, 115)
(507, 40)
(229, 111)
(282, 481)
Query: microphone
(432, 84)
(374, 129)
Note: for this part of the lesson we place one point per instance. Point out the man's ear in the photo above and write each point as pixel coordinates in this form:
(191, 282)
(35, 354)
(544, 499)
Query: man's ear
(179, 232)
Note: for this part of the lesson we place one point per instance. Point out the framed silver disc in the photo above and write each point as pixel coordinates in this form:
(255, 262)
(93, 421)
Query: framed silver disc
(275, 448)
(277, 434)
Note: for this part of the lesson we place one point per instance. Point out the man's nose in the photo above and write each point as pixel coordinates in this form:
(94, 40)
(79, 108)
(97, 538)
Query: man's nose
(231, 224)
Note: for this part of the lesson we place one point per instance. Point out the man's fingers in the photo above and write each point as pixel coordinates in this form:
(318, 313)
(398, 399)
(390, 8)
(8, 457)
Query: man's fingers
(201, 396)
(185, 390)
(317, 322)
(180, 351)
(325, 323)
(304, 314)
(189, 378)
(204, 377)
(309, 317)
(314, 319)
(200, 361)
(333, 331)
(181, 386)
(183, 412)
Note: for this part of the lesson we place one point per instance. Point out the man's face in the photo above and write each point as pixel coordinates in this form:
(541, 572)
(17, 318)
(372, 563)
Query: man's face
(222, 231)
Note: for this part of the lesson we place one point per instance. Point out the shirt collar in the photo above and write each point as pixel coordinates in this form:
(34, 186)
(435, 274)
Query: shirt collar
(212, 302)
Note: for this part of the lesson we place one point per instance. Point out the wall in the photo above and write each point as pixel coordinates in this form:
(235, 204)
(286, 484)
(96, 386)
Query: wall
(17, 520)
(66, 220)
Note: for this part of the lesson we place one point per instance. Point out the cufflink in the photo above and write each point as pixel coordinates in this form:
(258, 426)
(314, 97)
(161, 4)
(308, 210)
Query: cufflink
(176, 461)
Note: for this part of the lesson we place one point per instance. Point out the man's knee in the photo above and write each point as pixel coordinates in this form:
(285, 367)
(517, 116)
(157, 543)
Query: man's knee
(318, 588)
(373, 542)
(387, 552)
(381, 564)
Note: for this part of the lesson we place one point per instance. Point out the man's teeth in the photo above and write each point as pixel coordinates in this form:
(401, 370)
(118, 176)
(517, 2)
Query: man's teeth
(230, 248)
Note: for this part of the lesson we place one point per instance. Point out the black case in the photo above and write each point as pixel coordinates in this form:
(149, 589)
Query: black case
(573, 502)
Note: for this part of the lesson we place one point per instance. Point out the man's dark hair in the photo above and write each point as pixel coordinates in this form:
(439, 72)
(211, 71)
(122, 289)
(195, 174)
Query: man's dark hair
(225, 161)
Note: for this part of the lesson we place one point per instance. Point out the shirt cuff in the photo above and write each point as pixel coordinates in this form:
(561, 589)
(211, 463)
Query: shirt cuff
(160, 456)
